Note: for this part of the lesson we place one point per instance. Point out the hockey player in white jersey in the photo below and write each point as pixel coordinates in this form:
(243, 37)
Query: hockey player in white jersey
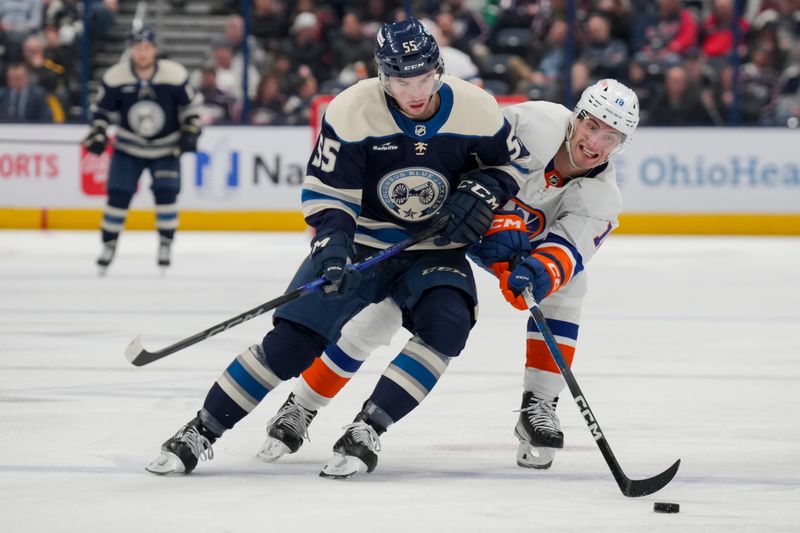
(548, 233)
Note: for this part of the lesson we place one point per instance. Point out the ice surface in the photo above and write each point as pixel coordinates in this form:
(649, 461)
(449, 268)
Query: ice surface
(689, 349)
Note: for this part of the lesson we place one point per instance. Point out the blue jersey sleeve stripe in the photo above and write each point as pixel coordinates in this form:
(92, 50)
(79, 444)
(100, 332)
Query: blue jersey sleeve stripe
(314, 184)
(519, 167)
(310, 197)
(387, 235)
(557, 239)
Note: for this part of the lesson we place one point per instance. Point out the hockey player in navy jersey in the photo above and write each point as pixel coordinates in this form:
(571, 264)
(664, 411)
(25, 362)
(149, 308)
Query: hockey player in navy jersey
(550, 231)
(157, 117)
(395, 154)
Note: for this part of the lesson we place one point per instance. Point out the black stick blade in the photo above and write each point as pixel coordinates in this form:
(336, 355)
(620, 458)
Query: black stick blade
(634, 488)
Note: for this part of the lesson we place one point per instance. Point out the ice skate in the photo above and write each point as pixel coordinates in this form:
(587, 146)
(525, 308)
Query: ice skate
(164, 253)
(538, 431)
(181, 453)
(286, 431)
(354, 453)
(106, 256)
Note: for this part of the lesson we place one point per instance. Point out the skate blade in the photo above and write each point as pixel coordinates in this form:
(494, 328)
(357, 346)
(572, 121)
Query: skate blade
(531, 457)
(166, 464)
(343, 467)
(272, 450)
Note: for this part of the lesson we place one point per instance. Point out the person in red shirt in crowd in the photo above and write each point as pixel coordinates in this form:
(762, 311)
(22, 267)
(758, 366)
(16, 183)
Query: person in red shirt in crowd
(663, 37)
(717, 30)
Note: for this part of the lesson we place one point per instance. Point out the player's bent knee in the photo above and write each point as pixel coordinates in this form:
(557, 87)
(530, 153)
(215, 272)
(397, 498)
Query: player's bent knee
(291, 348)
(165, 196)
(119, 199)
(443, 318)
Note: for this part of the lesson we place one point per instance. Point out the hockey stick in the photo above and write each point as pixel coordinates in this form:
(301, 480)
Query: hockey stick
(138, 356)
(629, 487)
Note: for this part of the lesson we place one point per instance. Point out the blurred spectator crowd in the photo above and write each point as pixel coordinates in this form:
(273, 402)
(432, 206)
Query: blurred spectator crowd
(40, 51)
(678, 55)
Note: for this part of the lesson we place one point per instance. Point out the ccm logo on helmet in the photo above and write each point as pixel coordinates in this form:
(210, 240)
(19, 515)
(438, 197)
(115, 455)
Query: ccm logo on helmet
(412, 67)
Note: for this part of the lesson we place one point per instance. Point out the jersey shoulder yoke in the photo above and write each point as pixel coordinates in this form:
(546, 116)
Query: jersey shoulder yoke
(359, 112)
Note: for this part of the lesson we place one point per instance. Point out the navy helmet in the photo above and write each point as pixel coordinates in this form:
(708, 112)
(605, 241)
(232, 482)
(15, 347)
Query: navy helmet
(406, 49)
(144, 34)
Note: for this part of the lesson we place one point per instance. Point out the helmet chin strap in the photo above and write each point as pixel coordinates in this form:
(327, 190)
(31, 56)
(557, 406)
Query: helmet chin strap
(568, 146)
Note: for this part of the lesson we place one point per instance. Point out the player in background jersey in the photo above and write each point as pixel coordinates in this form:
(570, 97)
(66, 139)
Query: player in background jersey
(566, 208)
(395, 154)
(157, 117)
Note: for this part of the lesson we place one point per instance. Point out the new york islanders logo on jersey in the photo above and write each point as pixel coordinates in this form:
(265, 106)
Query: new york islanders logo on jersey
(413, 194)
(535, 219)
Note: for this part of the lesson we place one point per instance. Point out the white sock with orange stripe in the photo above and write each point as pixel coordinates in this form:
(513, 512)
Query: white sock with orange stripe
(370, 329)
(328, 374)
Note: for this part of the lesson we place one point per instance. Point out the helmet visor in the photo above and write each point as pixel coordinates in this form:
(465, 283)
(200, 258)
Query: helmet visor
(598, 133)
(424, 84)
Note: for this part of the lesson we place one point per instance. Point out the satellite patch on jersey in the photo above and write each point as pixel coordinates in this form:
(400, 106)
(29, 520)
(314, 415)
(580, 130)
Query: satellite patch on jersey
(413, 194)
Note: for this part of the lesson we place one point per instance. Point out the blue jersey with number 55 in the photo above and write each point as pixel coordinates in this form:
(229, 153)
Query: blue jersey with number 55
(382, 176)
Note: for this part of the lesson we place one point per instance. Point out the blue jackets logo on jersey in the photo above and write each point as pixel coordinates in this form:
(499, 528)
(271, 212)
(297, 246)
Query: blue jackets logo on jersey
(146, 118)
(413, 194)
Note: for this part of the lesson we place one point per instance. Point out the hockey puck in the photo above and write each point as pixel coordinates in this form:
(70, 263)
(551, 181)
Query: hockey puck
(665, 507)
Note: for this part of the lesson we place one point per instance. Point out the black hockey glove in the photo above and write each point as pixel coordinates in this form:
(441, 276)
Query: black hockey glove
(188, 139)
(471, 208)
(330, 254)
(97, 140)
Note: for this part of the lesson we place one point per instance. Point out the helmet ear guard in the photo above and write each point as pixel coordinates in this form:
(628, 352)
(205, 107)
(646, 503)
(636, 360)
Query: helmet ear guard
(407, 49)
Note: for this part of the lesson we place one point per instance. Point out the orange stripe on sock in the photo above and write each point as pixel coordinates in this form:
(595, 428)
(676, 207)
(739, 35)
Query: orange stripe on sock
(538, 356)
(323, 380)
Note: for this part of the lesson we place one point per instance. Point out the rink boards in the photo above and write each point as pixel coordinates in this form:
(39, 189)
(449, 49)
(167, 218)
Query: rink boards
(674, 180)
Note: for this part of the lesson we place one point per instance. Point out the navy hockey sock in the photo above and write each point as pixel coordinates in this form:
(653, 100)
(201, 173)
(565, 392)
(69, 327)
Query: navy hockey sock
(114, 215)
(409, 378)
(239, 389)
(166, 213)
